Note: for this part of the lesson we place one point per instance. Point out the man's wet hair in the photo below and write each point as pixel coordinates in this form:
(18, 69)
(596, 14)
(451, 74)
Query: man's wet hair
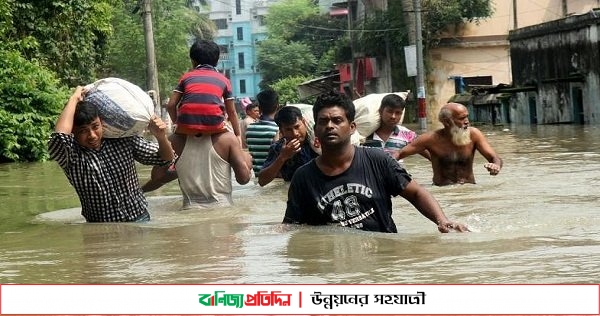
(85, 113)
(331, 99)
(268, 101)
(288, 115)
(392, 101)
(205, 52)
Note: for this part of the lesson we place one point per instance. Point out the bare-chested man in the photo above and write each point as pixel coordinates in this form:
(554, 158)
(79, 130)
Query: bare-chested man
(452, 148)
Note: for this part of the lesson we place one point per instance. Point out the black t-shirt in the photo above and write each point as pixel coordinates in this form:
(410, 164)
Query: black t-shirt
(360, 197)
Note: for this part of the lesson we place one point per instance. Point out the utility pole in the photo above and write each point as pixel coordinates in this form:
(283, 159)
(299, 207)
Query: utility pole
(565, 9)
(421, 101)
(151, 69)
(515, 21)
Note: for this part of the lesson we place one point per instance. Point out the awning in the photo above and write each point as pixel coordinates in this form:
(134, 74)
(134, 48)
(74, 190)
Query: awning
(318, 86)
(464, 99)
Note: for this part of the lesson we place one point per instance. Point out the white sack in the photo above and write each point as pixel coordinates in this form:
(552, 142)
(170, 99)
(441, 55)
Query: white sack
(307, 113)
(125, 109)
(367, 112)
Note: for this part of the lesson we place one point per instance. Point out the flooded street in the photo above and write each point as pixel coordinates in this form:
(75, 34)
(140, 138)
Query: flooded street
(536, 222)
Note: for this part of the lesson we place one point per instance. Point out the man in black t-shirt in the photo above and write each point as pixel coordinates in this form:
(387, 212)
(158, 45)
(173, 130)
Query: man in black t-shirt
(352, 186)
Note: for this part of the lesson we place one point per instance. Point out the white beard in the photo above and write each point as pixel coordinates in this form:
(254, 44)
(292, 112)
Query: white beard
(460, 136)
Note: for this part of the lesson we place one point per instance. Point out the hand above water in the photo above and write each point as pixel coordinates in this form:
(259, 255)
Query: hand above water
(447, 226)
(492, 168)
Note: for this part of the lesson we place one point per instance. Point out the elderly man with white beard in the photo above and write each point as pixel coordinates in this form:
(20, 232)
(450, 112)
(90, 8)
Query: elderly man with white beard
(452, 148)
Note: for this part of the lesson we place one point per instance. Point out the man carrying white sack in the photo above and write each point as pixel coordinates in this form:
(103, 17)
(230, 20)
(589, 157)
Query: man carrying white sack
(102, 170)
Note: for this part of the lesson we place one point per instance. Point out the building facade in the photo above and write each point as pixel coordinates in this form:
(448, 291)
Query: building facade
(556, 71)
(482, 51)
(241, 27)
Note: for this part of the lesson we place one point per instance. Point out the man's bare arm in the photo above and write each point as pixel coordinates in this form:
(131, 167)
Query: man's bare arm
(267, 174)
(232, 116)
(172, 105)
(240, 160)
(427, 205)
(158, 128)
(485, 149)
(418, 146)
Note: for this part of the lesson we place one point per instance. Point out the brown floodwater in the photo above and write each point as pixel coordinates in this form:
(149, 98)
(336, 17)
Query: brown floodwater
(536, 222)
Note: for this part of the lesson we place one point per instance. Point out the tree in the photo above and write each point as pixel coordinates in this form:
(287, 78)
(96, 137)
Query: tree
(282, 20)
(44, 46)
(301, 41)
(67, 36)
(439, 14)
(175, 26)
(287, 89)
(279, 59)
(32, 97)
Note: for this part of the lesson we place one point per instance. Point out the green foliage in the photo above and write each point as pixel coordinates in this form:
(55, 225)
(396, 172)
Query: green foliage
(44, 44)
(301, 41)
(287, 89)
(67, 36)
(32, 97)
(279, 59)
(282, 20)
(174, 27)
(319, 31)
(382, 30)
(386, 32)
(5, 17)
(439, 14)
(327, 61)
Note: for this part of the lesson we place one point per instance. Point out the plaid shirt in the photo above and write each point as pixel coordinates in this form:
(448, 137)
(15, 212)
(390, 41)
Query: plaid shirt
(106, 180)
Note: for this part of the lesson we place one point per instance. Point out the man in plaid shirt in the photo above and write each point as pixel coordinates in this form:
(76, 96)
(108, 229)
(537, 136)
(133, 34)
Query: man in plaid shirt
(102, 170)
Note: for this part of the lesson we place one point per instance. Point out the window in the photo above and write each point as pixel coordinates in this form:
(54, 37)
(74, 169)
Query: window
(242, 86)
(238, 7)
(221, 24)
(223, 53)
(241, 62)
(261, 20)
(240, 34)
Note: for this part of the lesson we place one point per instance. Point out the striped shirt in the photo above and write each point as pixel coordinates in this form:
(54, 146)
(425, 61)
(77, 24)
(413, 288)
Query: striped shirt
(106, 180)
(400, 137)
(259, 137)
(202, 106)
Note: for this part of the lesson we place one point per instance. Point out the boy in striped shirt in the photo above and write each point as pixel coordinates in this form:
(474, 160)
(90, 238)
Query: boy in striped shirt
(391, 136)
